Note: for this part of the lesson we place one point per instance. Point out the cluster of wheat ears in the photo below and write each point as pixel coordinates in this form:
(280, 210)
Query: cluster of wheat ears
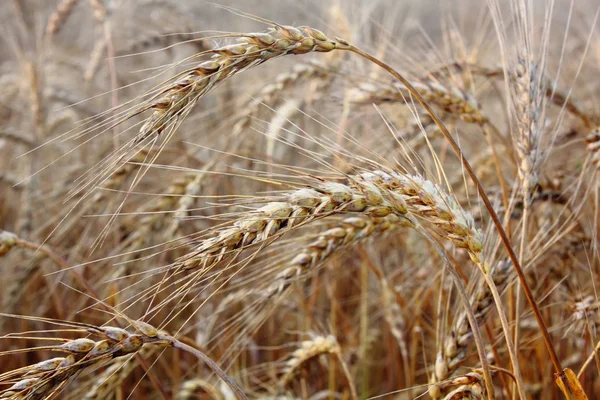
(403, 203)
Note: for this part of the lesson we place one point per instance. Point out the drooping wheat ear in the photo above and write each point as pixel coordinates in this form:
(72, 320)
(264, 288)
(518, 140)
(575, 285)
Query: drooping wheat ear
(59, 16)
(593, 146)
(428, 201)
(451, 100)
(346, 233)
(290, 210)
(457, 342)
(177, 98)
(189, 389)
(308, 350)
(528, 103)
(269, 95)
(107, 382)
(48, 378)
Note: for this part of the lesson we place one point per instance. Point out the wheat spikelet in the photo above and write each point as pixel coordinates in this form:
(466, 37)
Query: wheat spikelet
(8, 240)
(429, 202)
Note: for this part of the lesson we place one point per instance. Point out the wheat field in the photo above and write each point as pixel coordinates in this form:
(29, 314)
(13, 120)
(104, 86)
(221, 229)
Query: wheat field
(340, 199)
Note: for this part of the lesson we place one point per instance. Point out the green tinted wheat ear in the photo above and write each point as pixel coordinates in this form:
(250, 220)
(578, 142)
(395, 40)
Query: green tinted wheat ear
(177, 98)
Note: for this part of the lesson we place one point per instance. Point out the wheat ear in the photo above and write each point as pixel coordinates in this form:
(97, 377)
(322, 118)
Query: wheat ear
(177, 98)
(292, 209)
(449, 99)
(311, 349)
(49, 377)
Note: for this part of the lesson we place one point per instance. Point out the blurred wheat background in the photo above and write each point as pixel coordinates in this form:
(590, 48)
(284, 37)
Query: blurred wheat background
(340, 199)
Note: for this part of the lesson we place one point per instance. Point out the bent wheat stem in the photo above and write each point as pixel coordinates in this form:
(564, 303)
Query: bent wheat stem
(497, 223)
